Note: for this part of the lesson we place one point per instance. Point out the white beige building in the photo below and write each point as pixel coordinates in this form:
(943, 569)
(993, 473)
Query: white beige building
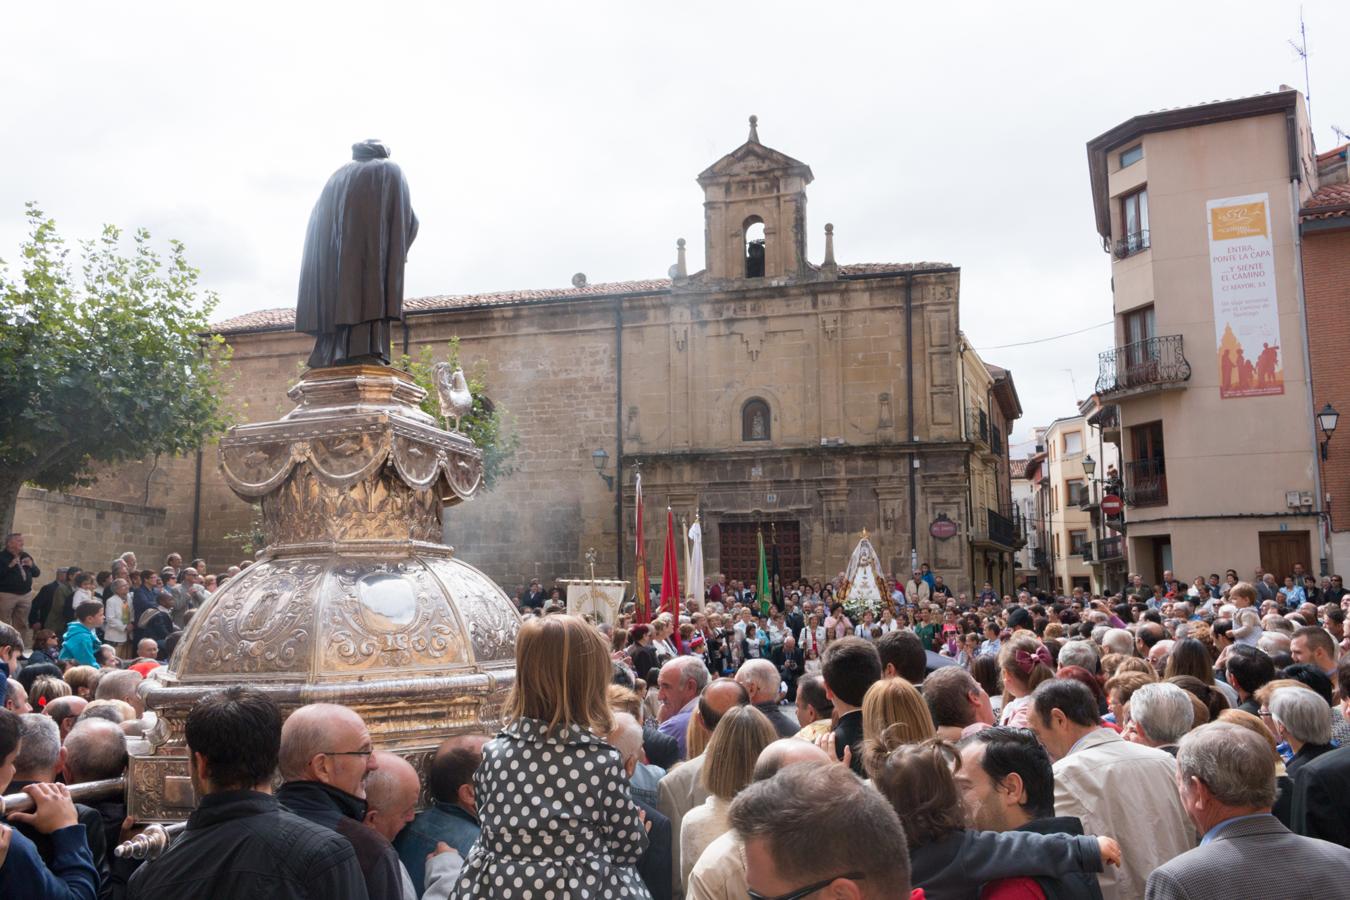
(1199, 210)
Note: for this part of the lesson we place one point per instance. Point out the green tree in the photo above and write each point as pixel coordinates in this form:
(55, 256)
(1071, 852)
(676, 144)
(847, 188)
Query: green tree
(104, 366)
(489, 425)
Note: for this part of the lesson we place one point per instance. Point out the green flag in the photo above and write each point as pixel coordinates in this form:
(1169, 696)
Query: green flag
(763, 590)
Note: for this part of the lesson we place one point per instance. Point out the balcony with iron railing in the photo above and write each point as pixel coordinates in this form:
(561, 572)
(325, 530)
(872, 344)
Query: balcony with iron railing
(1154, 364)
(1146, 482)
(992, 527)
(1084, 550)
(1111, 548)
(1130, 244)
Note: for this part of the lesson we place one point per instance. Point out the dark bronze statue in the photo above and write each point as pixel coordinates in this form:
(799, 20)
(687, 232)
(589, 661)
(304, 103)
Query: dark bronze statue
(351, 278)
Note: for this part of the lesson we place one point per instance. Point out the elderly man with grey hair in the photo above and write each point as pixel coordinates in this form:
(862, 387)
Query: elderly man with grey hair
(1302, 719)
(1079, 653)
(1118, 640)
(1273, 643)
(761, 681)
(1160, 715)
(678, 684)
(38, 762)
(1226, 780)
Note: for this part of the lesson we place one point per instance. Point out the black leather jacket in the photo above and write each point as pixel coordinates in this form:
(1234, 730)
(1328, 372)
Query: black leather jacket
(242, 844)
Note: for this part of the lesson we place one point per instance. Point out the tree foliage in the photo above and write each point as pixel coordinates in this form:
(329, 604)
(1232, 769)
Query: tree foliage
(489, 425)
(104, 364)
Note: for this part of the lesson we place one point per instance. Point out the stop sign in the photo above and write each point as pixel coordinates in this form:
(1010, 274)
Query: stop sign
(1112, 505)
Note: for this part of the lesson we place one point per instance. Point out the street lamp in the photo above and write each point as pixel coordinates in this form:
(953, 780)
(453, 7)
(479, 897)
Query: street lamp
(601, 459)
(1327, 420)
(1090, 464)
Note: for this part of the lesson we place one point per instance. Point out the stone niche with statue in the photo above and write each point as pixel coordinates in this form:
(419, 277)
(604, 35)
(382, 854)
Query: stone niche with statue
(355, 600)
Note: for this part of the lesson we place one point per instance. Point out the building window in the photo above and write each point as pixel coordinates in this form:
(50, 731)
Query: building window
(1077, 490)
(1077, 540)
(755, 420)
(1134, 216)
(1073, 443)
(1132, 155)
(1146, 471)
(754, 247)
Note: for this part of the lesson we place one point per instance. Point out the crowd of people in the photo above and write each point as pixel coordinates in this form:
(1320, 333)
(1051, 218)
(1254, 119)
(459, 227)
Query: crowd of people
(1151, 743)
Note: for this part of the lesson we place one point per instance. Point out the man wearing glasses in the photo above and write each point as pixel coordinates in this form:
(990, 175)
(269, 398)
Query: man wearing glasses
(858, 849)
(326, 754)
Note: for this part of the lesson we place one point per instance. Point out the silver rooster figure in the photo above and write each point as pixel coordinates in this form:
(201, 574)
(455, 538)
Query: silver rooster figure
(453, 391)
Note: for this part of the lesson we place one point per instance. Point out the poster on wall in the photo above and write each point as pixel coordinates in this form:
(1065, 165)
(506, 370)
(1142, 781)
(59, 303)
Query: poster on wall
(1246, 314)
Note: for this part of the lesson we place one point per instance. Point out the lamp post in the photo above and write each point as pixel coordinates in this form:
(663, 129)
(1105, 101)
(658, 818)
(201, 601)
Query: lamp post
(1090, 469)
(600, 459)
(1327, 420)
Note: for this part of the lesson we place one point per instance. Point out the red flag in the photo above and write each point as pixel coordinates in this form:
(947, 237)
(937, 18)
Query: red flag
(642, 589)
(670, 580)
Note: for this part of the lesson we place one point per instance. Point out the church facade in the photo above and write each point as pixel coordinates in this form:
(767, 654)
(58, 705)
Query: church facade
(764, 394)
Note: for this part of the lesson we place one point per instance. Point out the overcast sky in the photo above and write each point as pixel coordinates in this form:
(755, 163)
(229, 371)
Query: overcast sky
(541, 140)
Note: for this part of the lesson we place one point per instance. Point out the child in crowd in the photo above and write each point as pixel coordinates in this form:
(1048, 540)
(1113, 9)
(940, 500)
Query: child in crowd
(81, 643)
(45, 647)
(552, 796)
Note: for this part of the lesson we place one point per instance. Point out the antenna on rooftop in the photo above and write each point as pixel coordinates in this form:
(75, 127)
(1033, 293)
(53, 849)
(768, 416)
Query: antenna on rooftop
(1341, 133)
(1301, 48)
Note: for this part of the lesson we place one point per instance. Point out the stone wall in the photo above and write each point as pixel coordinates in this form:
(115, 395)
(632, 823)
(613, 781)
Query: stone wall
(64, 530)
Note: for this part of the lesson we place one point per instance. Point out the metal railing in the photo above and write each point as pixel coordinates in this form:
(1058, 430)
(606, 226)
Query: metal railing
(1130, 244)
(1084, 550)
(1000, 528)
(1110, 548)
(1154, 362)
(1146, 482)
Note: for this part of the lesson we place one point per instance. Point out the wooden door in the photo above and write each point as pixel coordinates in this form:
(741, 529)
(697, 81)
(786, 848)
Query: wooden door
(738, 549)
(1280, 550)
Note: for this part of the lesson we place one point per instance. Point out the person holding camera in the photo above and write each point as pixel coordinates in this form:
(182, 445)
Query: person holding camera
(17, 571)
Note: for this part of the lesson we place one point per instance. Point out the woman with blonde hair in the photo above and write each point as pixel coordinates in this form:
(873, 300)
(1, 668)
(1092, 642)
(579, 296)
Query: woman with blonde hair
(1024, 663)
(729, 764)
(894, 713)
(553, 799)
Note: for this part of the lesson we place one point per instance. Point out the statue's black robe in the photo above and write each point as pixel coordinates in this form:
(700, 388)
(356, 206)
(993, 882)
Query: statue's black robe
(351, 278)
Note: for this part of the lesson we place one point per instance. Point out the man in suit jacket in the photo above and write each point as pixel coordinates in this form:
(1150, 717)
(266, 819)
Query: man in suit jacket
(1319, 808)
(1117, 788)
(1226, 782)
(850, 666)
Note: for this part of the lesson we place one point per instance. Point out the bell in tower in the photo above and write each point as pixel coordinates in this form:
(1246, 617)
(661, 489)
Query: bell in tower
(755, 213)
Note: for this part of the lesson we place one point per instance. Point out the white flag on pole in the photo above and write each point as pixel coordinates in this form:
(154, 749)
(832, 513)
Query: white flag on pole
(694, 572)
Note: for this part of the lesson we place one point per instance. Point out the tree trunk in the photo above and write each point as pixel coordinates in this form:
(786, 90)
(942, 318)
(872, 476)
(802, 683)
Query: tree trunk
(9, 499)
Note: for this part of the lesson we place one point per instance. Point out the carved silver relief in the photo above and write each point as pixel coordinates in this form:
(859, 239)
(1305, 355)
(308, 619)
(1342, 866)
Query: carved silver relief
(259, 623)
(492, 621)
(389, 615)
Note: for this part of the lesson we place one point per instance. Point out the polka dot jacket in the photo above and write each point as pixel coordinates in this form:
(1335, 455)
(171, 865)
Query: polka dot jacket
(558, 822)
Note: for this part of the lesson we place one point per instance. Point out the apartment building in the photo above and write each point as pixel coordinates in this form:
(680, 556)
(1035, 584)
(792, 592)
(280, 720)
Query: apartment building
(1068, 474)
(1206, 391)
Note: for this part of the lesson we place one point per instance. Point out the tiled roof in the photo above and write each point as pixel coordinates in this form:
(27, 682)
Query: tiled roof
(1331, 201)
(283, 319)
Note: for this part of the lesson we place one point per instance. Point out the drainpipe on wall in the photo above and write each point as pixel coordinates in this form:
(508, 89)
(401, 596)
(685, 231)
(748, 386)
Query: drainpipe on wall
(909, 422)
(196, 503)
(618, 435)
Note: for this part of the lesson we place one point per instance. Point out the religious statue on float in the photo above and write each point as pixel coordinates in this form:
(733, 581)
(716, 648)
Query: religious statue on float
(864, 587)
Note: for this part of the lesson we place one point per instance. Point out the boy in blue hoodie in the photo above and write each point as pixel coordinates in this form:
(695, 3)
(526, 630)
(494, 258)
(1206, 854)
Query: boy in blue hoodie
(81, 643)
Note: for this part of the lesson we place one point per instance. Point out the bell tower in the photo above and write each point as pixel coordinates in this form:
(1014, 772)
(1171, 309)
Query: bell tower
(754, 213)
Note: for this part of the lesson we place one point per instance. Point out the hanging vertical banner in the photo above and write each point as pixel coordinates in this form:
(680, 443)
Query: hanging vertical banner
(1246, 311)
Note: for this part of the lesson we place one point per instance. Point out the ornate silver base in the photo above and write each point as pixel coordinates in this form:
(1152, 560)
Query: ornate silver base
(355, 601)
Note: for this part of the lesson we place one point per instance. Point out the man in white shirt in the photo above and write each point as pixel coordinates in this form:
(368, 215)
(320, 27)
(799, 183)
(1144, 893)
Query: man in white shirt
(1115, 787)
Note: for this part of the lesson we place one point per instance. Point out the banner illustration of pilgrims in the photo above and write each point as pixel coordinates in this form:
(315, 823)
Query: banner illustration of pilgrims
(864, 586)
(1246, 309)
